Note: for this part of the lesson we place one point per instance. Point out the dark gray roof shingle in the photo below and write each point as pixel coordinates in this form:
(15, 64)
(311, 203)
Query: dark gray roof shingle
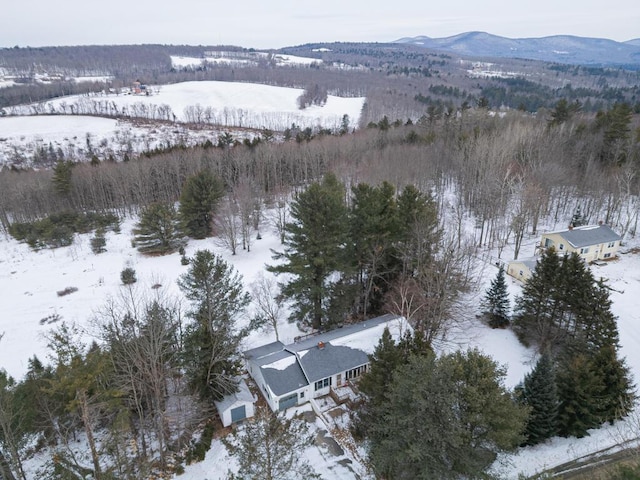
(286, 380)
(588, 235)
(319, 363)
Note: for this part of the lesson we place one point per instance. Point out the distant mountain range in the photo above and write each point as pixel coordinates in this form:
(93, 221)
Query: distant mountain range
(558, 48)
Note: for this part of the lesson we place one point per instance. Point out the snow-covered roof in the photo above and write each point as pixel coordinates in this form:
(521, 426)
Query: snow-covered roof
(587, 235)
(287, 368)
(242, 396)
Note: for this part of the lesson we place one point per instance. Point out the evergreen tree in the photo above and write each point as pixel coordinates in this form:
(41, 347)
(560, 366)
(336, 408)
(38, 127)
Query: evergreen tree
(616, 125)
(496, 301)
(212, 340)
(444, 418)
(577, 220)
(539, 392)
(580, 388)
(82, 382)
(560, 113)
(618, 395)
(316, 248)
(374, 231)
(13, 435)
(98, 242)
(419, 230)
(198, 201)
(158, 230)
(270, 447)
(600, 325)
(385, 360)
(62, 175)
(535, 310)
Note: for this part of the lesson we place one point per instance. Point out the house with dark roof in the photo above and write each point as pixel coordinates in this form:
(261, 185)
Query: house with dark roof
(289, 375)
(591, 242)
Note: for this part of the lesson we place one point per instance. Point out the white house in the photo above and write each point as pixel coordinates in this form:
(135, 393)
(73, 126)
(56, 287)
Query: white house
(289, 375)
(237, 406)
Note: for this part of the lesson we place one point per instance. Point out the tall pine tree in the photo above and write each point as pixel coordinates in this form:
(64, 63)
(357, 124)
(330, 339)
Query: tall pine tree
(539, 392)
(316, 249)
(198, 201)
(535, 318)
(374, 231)
(580, 388)
(496, 301)
(212, 339)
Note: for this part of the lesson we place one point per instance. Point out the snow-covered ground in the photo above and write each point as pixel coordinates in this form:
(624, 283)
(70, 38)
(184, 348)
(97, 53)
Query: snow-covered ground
(21, 137)
(214, 106)
(240, 58)
(29, 282)
(236, 104)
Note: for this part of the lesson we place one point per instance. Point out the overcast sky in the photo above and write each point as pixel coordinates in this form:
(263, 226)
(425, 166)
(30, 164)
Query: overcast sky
(280, 23)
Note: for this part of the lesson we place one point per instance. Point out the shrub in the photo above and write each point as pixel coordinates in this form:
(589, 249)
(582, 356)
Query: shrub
(128, 276)
(57, 230)
(199, 448)
(53, 318)
(98, 242)
(67, 291)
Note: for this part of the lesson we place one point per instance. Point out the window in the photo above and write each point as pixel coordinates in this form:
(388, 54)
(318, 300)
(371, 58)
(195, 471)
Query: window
(320, 384)
(584, 250)
(548, 242)
(611, 244)
(356, 372)
(521, 273)
(561, 246)
(607, 255)
(301, 394)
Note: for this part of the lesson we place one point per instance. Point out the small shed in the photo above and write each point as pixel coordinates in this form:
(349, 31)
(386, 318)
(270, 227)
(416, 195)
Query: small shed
(237, 406)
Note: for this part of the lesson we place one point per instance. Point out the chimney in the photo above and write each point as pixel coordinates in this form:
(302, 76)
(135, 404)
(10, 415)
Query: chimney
(320, 345)
(571, 227)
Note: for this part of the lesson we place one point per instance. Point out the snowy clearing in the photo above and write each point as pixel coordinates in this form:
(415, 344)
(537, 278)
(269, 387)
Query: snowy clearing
(230, 104)
(29, 281)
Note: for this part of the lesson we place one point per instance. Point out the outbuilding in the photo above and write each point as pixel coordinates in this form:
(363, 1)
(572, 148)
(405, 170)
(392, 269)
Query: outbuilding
(237, 406)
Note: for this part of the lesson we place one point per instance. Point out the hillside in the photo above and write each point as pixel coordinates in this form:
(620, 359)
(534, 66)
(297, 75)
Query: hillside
(559, 48)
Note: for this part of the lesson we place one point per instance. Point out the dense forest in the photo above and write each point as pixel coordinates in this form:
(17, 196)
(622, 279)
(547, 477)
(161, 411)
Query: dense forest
(371, 221)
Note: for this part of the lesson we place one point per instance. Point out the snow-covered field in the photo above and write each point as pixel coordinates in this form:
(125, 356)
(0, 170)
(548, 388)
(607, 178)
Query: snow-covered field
(241, 58)
(237, 104)
(213, 106)
(29, 282)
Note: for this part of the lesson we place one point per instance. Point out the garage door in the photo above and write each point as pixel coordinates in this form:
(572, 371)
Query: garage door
(287, 402)
(238, 413)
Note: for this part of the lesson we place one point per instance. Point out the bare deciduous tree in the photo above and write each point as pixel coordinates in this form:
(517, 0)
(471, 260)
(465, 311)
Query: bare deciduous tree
(227, 226)
(268, 301)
